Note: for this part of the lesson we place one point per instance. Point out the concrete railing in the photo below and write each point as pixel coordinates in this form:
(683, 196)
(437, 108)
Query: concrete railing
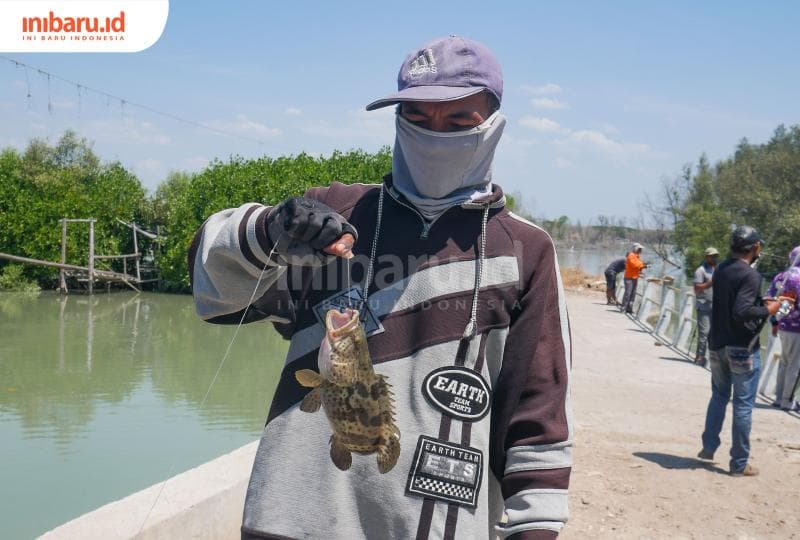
(203, 503)
(654, 310)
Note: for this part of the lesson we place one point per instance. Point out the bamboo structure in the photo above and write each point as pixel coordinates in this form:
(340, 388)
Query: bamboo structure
(90, 272)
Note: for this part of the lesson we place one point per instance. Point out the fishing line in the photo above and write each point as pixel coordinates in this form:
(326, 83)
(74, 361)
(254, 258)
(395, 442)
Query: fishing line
(219, 368)
(349, 285)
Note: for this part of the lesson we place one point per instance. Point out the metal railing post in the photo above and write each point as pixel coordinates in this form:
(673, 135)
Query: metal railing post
(647, 301)
(667, 312)
(686, 323)
(772, 357)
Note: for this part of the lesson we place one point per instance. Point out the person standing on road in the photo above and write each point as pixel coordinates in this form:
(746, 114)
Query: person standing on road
(611, 272)
(787, 284)
(703, 291)
(633, 270)
(464, 314)
(738, 314)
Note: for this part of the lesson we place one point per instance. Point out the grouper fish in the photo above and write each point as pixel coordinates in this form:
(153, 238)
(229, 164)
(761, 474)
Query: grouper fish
(358, 402)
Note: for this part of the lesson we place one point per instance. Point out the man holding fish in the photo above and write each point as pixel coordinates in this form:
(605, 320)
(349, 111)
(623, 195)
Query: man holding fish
(444, 382)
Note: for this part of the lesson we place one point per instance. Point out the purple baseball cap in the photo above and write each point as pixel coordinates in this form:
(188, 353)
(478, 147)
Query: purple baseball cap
(446, 69)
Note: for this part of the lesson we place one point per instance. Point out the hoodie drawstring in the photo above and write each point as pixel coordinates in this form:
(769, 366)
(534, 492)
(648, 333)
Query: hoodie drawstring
(374, 249)
(472, 326)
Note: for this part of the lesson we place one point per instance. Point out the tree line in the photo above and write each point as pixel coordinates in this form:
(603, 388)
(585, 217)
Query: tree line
(43, 183)
(757, 185)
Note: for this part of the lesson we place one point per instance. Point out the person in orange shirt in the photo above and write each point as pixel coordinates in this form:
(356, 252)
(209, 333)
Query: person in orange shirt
(633, 269)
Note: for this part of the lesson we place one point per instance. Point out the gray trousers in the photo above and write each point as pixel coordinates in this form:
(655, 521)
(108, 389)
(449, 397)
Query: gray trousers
(789, 365)
(703, 327)
(630, 295)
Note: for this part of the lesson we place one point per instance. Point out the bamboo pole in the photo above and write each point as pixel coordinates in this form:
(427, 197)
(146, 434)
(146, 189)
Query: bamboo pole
(136, 250)
(91, 256)
(62, 286)
(126, 256)
(102, 274)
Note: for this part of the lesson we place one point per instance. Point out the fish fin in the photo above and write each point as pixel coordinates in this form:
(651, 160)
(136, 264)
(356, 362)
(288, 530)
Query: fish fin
(312, 402)
(389, 453)
(340, 455)
(308, 378)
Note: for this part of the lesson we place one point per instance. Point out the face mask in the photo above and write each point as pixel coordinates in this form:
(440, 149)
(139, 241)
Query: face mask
(436, 170)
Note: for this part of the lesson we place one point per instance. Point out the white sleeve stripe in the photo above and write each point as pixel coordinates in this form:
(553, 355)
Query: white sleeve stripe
(252, 241)
(537, 505)
(545, 456)
(505, 532)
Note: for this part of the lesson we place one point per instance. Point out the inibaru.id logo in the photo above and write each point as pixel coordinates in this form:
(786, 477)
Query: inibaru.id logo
(81, 25)
(55, 24)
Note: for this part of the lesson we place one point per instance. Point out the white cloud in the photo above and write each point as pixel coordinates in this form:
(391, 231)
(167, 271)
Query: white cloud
(549, 103)
(357, 125)
(246, 126)
(293, 111)
(541, 124)
(544, 89)
(129, 129)
(563, 163)
(607, 145)
(607, 128)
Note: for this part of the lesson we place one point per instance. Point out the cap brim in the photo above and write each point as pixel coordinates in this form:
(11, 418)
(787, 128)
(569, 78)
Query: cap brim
(426, 93)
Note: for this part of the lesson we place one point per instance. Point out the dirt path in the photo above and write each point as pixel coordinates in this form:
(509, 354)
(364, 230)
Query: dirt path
(639, 412)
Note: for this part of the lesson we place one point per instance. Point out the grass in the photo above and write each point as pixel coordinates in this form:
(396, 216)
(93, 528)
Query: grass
(574, 277)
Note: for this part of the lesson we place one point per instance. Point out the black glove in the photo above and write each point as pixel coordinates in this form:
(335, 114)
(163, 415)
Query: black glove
(301, 227)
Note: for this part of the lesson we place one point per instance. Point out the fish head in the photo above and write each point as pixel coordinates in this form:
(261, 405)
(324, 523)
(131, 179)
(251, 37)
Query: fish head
(339, 352)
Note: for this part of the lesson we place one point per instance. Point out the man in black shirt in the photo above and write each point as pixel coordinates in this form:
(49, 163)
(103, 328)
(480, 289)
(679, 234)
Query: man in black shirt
(611, 280)
(738, 314)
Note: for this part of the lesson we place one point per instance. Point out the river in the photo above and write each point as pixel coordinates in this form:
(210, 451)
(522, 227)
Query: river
(100, 397)
(594, 261)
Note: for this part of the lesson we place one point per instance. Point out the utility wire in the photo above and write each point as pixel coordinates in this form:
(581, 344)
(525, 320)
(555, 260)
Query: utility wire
(125, 102)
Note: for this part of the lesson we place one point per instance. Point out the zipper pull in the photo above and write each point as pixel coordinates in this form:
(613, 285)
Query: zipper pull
(426, 228)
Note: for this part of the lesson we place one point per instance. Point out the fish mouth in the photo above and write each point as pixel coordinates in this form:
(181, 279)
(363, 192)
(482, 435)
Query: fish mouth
(338, 323)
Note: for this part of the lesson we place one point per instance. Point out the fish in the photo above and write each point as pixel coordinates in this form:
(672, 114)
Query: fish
(358, 402)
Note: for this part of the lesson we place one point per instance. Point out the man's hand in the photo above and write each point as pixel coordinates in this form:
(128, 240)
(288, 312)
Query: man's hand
(772, 305)
(306, 232)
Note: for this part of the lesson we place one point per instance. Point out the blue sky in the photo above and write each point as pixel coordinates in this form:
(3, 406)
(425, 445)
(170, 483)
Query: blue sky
(603, 100)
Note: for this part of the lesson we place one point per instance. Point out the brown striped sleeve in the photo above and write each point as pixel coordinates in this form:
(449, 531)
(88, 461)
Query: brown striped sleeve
(531, 423)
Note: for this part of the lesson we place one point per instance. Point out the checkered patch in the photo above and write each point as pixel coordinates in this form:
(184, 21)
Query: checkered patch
(446, 489)
(446, 471)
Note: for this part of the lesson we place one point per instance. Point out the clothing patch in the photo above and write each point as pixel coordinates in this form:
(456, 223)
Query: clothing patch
(446, 471)
(351, 298)
(458, 392)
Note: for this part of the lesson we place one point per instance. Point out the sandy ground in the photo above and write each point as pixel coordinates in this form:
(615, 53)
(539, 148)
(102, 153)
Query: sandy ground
(639, 412)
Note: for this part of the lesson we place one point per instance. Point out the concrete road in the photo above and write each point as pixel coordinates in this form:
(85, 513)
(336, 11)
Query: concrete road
(639, 412)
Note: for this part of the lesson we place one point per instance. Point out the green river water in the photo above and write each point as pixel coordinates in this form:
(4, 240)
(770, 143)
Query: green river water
(100, 397)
